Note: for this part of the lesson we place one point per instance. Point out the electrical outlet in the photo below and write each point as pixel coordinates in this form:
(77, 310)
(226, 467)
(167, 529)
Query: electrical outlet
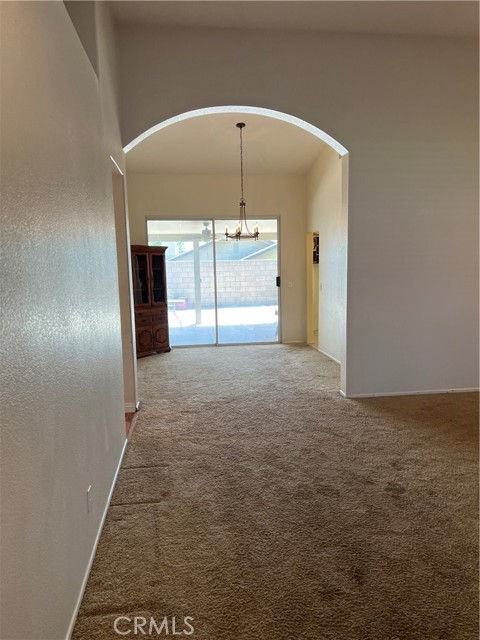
(89, 499)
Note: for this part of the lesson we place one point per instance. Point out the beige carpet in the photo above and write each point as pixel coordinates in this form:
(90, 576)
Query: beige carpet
(258, 501)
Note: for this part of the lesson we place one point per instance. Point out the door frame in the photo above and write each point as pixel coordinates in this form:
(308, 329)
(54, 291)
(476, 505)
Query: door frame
(125, 288)
(312, 281)
(279, 268)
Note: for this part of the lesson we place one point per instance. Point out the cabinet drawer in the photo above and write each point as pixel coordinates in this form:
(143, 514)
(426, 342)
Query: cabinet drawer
(142, 321)
(160, 318)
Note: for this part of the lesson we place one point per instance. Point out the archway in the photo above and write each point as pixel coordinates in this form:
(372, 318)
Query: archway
(259, 111)
(337, 253)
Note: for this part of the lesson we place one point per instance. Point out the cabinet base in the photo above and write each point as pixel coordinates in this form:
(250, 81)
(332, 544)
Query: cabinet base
(152, 353)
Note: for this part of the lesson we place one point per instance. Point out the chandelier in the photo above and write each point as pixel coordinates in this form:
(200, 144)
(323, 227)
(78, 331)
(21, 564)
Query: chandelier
(239, 233)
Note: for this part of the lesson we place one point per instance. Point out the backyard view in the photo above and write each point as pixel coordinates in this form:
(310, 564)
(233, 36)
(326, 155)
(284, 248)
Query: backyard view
(218, 291)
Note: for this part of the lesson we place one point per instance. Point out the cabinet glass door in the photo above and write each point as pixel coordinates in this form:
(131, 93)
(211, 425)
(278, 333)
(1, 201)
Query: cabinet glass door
(140, 279)
(158, 287)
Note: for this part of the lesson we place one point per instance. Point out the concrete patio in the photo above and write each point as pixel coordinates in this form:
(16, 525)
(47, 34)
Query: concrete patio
(236, 325)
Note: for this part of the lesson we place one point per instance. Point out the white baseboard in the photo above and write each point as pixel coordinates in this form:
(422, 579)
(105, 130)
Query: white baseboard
(130, 407)
(325, 353)
(408, 393)
(95, 544)
(328, 356)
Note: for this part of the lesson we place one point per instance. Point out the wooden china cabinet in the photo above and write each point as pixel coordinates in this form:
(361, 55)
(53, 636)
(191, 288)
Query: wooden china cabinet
(150, 299)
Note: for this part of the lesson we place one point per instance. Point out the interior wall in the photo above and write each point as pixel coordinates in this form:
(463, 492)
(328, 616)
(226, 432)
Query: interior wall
(83, 16)
(63, 426)
(406, 108)
(216, 196)
(325, 216)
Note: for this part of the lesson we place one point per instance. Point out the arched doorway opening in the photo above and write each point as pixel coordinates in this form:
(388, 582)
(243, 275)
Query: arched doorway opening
(324, 216)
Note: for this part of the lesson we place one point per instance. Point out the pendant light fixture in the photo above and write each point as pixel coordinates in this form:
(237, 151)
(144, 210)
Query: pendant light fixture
(239, 230)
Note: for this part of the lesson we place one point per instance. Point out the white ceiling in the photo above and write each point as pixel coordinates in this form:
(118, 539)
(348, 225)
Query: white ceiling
(210, 144)
(427, 17)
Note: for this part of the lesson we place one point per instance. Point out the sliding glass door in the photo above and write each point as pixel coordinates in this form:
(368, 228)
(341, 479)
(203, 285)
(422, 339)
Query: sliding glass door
(219, 292)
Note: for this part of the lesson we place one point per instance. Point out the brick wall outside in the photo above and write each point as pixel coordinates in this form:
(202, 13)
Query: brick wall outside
(239, 283)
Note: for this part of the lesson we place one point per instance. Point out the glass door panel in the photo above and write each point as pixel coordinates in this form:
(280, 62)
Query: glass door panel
(140, 279)
(190, 279)
(157, 277)
(247, 295)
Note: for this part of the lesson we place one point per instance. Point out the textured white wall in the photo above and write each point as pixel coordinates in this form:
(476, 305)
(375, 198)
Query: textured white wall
(198, 196)
(325, 215)
(406, 108)
(62, 389)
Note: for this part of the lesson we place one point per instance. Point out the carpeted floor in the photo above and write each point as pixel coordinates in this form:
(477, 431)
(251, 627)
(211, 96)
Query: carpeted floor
(256, 500)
